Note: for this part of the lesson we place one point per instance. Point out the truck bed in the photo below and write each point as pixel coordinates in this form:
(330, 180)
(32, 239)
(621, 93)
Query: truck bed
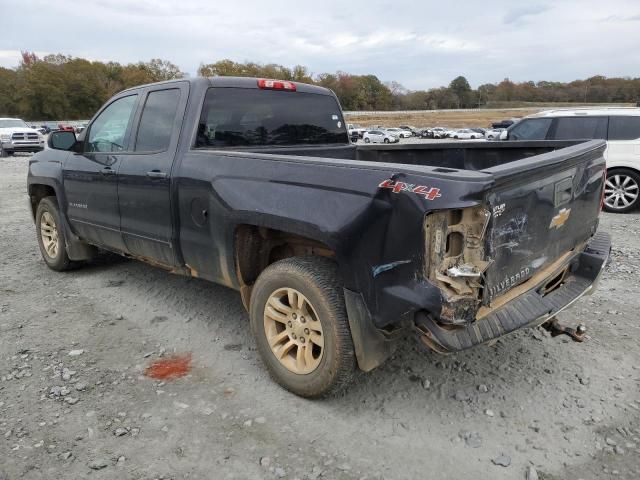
(452, 155)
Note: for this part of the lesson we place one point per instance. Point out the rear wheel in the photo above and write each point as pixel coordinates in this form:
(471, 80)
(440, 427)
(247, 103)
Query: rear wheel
(51, 238)
(621, 191)
(299, 321)
(386, 140)
(366, 140)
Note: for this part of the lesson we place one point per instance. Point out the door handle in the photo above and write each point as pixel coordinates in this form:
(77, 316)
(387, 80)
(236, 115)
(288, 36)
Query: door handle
(107, 171)
(156, 174)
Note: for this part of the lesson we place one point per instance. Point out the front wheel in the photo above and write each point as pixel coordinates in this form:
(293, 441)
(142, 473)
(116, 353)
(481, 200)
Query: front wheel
(621, 190)
(386, 140)
(51, 238)
(299, 321)
(366, 140)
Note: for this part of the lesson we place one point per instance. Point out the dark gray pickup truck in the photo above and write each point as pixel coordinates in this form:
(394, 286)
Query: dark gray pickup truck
(336, 249)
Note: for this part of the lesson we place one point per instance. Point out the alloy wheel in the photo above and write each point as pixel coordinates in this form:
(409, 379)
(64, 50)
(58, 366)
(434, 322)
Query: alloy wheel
(620, 191)
(49, 234)
(294, 331)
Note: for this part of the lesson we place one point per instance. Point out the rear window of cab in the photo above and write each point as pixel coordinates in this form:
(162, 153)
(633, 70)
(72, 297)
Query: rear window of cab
(245, 117)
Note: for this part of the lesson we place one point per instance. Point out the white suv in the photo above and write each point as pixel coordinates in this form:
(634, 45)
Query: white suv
(620, 127)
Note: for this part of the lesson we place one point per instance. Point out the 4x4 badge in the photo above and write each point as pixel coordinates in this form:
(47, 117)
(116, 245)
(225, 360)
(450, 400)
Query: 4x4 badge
(560, 219)
(430, 193)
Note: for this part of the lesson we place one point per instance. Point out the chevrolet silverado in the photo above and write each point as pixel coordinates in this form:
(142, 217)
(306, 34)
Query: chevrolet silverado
(336, 249)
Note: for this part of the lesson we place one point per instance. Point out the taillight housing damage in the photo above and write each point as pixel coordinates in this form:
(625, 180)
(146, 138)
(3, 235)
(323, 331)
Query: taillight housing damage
(456, 260)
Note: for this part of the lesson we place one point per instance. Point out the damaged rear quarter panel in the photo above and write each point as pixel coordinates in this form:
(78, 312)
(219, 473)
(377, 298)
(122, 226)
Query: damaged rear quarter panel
(377, 234)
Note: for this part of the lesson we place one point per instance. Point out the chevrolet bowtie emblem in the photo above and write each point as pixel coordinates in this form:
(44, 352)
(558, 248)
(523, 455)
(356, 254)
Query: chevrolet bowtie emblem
(561, 218)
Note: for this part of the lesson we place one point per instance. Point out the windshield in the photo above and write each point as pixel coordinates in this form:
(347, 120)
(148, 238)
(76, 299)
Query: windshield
(252, 117)
(12, 123)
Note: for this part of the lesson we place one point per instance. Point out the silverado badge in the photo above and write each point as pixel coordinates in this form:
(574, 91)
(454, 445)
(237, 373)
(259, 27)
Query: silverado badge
(560, 219)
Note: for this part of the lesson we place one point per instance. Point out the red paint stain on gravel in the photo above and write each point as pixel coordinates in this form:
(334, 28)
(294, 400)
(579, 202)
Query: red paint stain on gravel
(169, 368)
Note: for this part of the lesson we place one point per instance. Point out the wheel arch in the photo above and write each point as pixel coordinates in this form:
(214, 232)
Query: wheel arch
(256, 247)
(76, 249)
(38, 191)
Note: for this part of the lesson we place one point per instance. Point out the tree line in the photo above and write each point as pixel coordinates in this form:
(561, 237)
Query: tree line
(64, 87)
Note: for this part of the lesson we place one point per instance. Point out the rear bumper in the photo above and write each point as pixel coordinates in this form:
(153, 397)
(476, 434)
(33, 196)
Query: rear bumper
(532, 308)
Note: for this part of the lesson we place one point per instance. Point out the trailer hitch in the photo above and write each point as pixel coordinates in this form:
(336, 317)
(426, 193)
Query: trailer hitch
(578, 334)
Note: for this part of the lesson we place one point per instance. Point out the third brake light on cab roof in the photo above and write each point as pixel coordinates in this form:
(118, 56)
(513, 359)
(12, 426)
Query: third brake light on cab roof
(276, 85)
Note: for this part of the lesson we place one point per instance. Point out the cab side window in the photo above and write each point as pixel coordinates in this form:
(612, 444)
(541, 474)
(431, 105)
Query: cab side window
(156, 123)
(530, 129)
(624, 127)
(578, 128)
(108, 133)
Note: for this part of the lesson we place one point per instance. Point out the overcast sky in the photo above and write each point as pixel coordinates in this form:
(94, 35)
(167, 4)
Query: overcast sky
(420, 44)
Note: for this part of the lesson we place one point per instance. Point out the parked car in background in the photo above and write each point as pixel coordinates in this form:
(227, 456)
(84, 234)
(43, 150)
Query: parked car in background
(40, 130)
(412, 129)
(620, 127)
(493, 133)
(425, 133)
(465, 134)
(17, 136)
(399, 132)
(379, 136)
(352, 128)
(481, 131)
(439, 132)
(503, 123)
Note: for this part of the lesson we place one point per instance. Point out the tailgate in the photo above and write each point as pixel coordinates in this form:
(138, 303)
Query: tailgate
(543, 208)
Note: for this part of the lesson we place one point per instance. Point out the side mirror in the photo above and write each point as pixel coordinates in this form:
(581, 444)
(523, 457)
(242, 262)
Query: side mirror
(61, 140)
(504, 135)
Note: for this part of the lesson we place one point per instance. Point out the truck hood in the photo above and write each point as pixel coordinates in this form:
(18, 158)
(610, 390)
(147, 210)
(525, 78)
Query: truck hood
(12, 130)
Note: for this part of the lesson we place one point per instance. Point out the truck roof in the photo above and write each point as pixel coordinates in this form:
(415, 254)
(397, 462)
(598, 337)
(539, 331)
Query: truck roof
(238, 82)
(588, 111)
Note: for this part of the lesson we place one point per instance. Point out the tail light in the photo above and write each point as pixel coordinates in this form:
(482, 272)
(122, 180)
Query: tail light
(265, 84)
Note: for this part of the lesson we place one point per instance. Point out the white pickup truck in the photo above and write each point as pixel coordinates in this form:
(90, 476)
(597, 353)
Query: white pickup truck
(17, 136)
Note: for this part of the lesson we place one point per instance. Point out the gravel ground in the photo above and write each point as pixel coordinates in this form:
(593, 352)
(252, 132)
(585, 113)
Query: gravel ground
(74, 402)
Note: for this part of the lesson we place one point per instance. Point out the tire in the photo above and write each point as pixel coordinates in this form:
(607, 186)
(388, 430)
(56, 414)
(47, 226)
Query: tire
(317, 371)
(386, 140)
(367, 140)
(52, 246)
(622, 190)
(456, 137)
(472, 137)
(3, 153)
